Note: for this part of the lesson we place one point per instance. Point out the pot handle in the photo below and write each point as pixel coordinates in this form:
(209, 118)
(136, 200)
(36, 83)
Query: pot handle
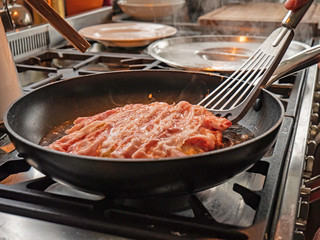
(296, 63)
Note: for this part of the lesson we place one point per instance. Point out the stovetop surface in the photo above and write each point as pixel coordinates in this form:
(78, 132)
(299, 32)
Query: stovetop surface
(241, 208)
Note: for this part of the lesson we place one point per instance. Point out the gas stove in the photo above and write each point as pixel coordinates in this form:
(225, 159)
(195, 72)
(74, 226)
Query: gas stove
(264, 202)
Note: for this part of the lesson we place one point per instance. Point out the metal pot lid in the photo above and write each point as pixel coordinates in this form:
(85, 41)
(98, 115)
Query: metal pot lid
(221, 53)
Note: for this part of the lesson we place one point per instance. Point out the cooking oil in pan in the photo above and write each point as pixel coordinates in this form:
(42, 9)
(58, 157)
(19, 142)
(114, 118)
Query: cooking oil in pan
(56, 133)
(236, 134)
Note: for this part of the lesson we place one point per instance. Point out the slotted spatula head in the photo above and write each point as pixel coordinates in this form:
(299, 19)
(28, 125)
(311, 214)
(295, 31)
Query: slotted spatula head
(236, 95)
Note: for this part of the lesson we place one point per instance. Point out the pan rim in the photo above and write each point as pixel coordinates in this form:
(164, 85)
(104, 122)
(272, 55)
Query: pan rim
(131, 160)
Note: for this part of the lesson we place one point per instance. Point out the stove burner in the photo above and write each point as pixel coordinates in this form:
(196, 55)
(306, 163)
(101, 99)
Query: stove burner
(224, 203)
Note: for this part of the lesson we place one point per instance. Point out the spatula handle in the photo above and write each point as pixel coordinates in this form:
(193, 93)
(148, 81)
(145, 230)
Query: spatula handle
(292, 19)
(59, 24)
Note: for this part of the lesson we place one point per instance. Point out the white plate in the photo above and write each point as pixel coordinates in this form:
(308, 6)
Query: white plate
(146, 9)
(127, 34)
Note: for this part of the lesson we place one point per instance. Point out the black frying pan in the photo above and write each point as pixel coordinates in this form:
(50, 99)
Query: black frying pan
(35, 114)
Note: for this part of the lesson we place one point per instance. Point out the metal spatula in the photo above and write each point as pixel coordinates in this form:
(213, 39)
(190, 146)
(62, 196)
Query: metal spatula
(236, 95)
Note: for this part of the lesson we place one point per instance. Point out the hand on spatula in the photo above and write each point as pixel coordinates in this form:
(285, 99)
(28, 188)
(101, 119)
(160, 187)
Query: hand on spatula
(294, 4)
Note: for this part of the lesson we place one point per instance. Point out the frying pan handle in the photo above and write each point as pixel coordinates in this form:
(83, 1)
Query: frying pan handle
(292, 19)
(296, 63)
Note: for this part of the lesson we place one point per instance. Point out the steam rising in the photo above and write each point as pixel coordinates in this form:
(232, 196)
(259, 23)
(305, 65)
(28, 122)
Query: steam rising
(197, 8)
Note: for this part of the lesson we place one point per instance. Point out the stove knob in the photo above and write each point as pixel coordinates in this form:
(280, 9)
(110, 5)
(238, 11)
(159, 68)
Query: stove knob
(307, 172)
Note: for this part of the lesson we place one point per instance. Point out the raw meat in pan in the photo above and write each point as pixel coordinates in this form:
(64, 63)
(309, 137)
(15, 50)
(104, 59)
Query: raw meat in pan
(155, 130)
